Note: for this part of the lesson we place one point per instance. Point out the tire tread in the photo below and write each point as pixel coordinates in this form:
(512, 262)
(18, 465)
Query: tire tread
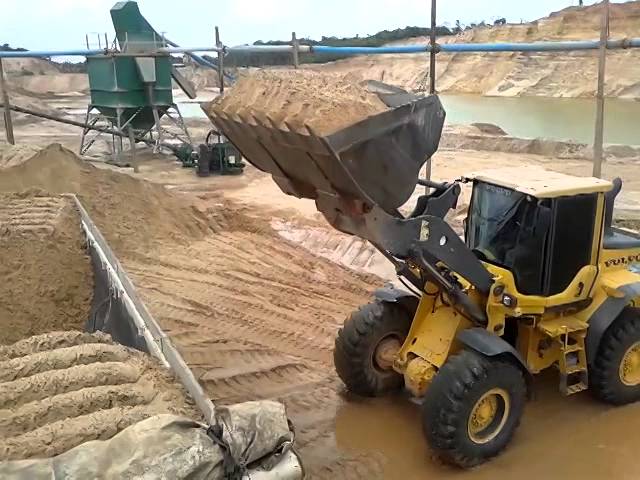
(353, 344)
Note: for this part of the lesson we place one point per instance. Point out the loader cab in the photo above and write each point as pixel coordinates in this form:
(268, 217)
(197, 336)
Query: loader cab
(542, 226)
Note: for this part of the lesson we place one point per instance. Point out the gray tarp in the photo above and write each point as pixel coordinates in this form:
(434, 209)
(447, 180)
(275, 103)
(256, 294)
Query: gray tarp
(171, 447)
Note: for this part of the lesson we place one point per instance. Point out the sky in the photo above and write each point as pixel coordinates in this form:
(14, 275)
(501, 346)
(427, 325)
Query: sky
(62, 24)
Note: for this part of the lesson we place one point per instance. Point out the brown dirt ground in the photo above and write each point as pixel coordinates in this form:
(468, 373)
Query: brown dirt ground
(255, 316)
(325, 102)
(61, 389)
(46, 281)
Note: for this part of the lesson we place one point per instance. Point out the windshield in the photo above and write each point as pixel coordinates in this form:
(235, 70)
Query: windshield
(506, 228)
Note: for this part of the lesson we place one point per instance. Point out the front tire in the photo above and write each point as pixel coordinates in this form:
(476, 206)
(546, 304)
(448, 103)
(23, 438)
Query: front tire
(615, 373)
(360, 343)
(473, 407)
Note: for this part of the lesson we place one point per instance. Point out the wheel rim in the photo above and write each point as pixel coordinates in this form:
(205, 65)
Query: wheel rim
(630, 366)
(385, 352)
(489, 415)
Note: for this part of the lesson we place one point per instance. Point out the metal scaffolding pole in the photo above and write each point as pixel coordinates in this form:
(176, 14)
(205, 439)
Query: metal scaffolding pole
(432, 73)
(8, 122)
(434, 52)
(602, 63)
(220, 48)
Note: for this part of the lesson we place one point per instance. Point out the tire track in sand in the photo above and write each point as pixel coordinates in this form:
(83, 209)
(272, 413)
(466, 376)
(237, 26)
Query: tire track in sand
(255, 317)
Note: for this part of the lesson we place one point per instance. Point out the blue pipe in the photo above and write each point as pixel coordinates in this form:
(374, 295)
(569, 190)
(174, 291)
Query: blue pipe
(323, 49)
(52, 53)
(519, 47)
(480, 47)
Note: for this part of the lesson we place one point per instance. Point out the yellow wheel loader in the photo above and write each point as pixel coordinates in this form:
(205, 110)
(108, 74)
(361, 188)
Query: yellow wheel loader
(541, 279)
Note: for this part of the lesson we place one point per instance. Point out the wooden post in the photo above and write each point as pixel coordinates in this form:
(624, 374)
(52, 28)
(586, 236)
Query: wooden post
(432, 73)
(295, 53)
(602, 62)
(8, 122)
(220, 61)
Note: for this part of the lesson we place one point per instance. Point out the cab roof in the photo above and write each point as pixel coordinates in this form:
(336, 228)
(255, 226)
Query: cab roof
(540, 183)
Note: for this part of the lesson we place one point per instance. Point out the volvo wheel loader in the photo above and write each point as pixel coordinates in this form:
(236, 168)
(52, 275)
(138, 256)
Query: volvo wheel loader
(541, 279)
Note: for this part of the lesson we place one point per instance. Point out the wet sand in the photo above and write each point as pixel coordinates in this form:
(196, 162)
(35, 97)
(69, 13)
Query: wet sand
(559, 437)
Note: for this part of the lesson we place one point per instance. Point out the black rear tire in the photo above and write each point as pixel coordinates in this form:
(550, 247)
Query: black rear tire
(356, 344)
(606, 378)
(450, 412)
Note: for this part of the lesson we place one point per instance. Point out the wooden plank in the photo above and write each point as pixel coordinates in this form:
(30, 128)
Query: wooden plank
(295, 52)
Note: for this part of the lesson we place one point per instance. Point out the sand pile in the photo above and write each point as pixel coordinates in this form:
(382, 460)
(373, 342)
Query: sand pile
(129, 212)
(12, 155)
(51, 84)
(325, 102)
(200, 77)
(28, 67)
(61, 389)
(46, 282)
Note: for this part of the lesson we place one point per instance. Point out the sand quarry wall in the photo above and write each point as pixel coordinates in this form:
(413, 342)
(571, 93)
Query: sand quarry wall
(553, 74)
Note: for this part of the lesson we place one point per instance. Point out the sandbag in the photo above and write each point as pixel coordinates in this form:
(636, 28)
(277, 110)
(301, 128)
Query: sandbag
(250, 436)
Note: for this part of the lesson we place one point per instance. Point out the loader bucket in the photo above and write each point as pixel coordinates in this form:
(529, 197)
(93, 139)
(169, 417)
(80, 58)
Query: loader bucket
(375, 161)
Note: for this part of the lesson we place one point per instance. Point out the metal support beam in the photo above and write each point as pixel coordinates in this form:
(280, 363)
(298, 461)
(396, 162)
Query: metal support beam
(432, 74)
(433, 53)
(8, 122)
(220, 48)
(602, 63)
(294, 52)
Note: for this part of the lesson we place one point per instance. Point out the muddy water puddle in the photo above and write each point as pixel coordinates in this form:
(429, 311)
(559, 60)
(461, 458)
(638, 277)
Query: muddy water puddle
(574, 437)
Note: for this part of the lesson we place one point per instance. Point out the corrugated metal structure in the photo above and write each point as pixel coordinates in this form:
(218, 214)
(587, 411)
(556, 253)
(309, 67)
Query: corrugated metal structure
(127, 89)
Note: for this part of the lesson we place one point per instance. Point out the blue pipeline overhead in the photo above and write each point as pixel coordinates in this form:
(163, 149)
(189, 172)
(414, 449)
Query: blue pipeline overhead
(537, 46)
(399, 49)
(51, 53)
(322, 49)
(479, 47)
